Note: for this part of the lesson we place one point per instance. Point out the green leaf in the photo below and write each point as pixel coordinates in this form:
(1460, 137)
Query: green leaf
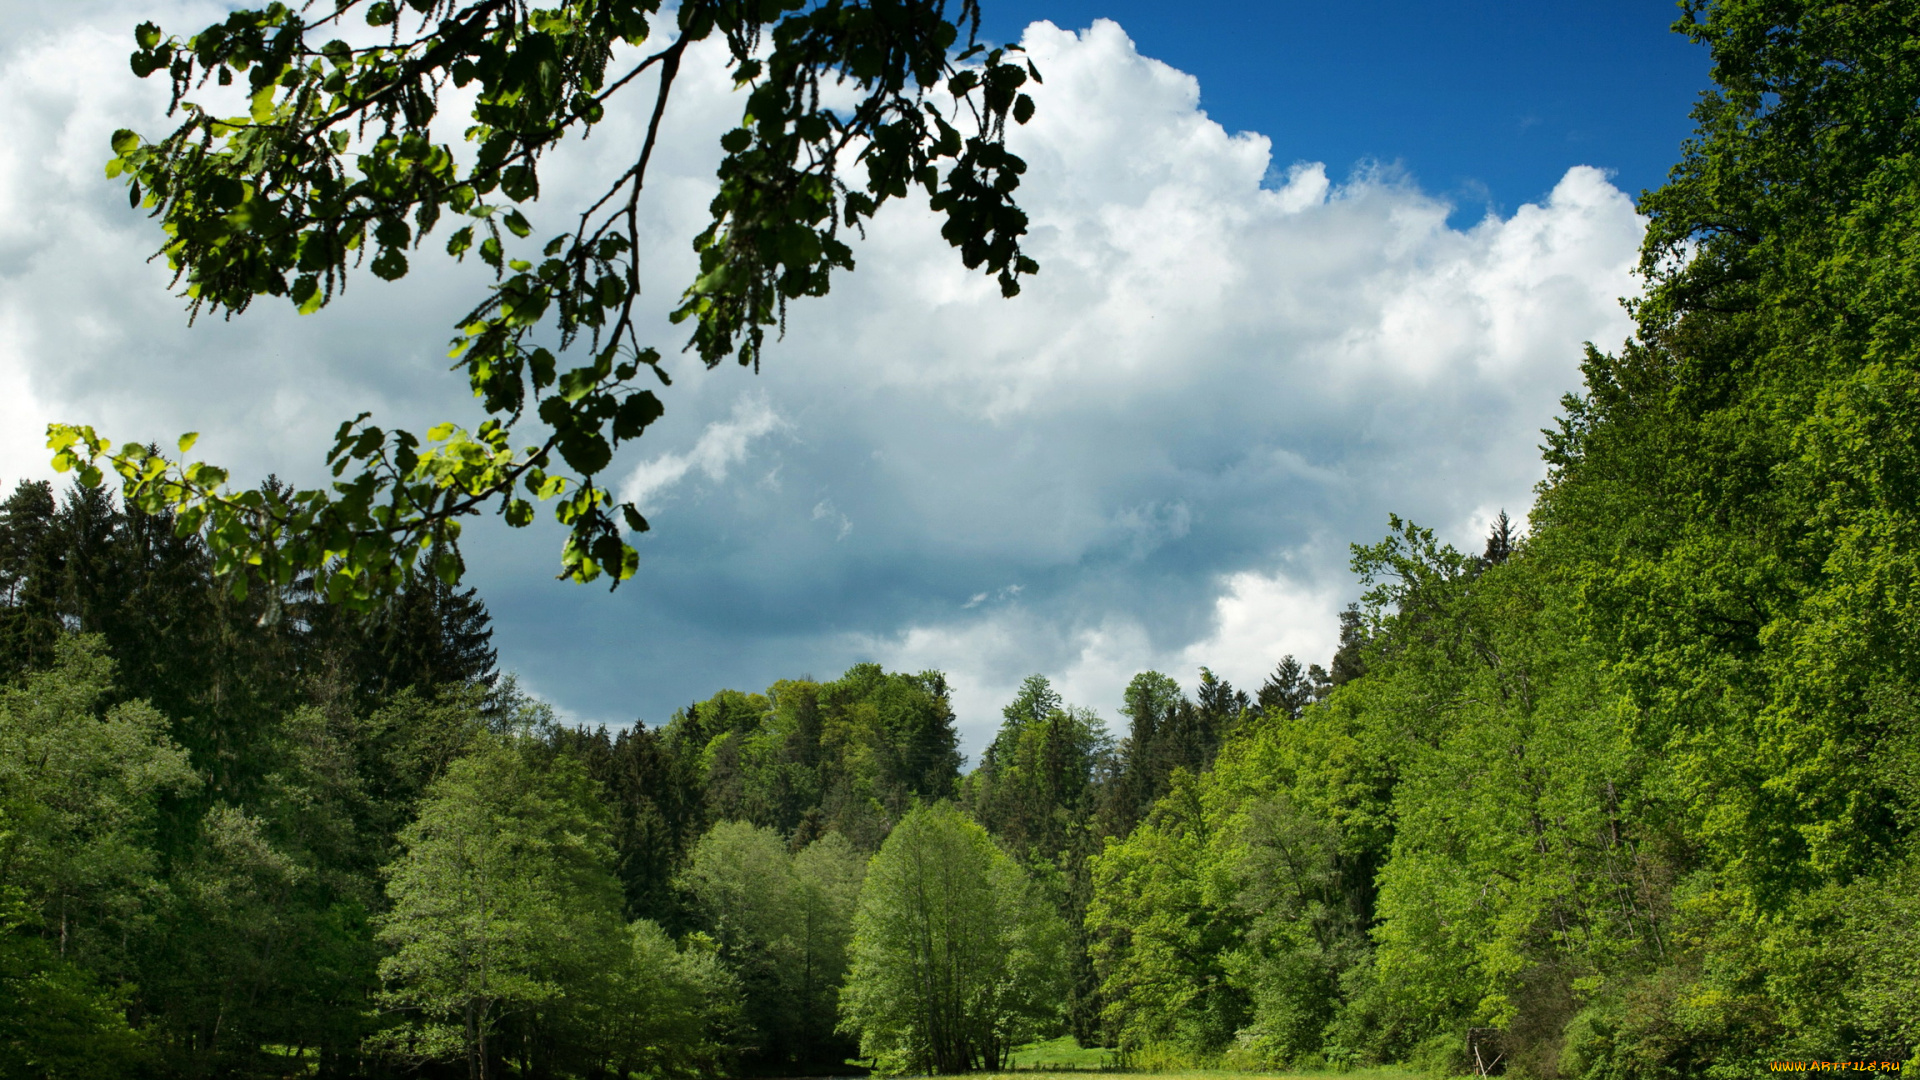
(125, 142)
(586, 452)
(308, 295)
(519, 183)
(542, 363)
(636, 411)
(260, 103)
(389, 265)
(187, 441)
(578, 383)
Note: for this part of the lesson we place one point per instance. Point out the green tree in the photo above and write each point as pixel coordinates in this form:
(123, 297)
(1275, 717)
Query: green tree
(657, 795)
(1735, 495)
(504, 905)
(81, 790)
(1158, 953)
(1291, 688)
(336, 162)
(28, 579)
(783, 923)
(956, 953)
(1533, 843)
(1166, 732)
(1036, 790)
(80, 873)
(667, 1010)
(56, 1020)
(808, 758)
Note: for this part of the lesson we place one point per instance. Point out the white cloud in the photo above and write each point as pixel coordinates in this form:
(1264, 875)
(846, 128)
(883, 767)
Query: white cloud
(1224, 372)
(722, 445)
(1259, 618)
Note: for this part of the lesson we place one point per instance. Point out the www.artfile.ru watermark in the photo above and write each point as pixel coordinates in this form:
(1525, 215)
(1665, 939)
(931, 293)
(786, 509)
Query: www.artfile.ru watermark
(1833, 1066)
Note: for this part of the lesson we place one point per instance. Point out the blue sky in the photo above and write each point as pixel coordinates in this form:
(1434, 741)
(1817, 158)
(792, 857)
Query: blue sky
(1299, 270)
(1485, 103)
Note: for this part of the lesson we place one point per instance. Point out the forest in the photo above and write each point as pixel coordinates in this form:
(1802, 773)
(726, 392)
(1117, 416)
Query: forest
(1631, 790)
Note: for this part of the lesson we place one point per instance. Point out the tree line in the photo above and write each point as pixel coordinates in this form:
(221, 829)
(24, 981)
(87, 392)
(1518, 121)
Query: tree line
(253, 834)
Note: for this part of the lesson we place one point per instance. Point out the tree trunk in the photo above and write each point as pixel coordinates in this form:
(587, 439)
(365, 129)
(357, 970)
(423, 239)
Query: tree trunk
(476, 1046)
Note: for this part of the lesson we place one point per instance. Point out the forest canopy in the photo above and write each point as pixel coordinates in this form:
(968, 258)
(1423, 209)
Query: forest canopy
(1630, 792)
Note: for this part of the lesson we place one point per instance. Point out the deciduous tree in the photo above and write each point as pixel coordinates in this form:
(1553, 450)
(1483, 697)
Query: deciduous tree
(956, 955)
(504, 902)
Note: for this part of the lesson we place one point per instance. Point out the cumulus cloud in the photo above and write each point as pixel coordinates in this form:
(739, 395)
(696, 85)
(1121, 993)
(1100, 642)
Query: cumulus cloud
(1224, 373)
(1231, 365)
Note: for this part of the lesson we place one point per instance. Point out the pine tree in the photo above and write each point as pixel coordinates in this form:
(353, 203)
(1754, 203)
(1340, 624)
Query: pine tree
(1500, 541)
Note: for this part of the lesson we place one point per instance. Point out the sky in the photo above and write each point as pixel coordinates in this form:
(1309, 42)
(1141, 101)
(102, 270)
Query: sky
(1301, 268)
(1485, 104)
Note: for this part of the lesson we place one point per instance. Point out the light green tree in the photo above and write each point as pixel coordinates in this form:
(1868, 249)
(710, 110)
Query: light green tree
(957, 955)
(56, 1020)
(80, 788)
(504, 902)
(666, 1010)
(783, 923)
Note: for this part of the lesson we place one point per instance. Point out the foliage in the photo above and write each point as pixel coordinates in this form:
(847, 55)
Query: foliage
(783, 923)
(1165, 733)
(1036, 782)
(55, 1018)
(808, 758)
(333, 164)
(1736, 492)
(80, 790)
(504, 904)
(1633, 792)
(956, 954)
(1038, 790)
(669, 1010)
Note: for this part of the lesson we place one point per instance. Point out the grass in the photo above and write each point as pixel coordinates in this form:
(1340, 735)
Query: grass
(1381, 1073)
(1063, 1054)
(1064, 1058)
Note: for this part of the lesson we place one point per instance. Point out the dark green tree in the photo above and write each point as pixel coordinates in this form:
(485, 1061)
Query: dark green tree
(1289, 690)
(29, 580)
(1037, 791)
